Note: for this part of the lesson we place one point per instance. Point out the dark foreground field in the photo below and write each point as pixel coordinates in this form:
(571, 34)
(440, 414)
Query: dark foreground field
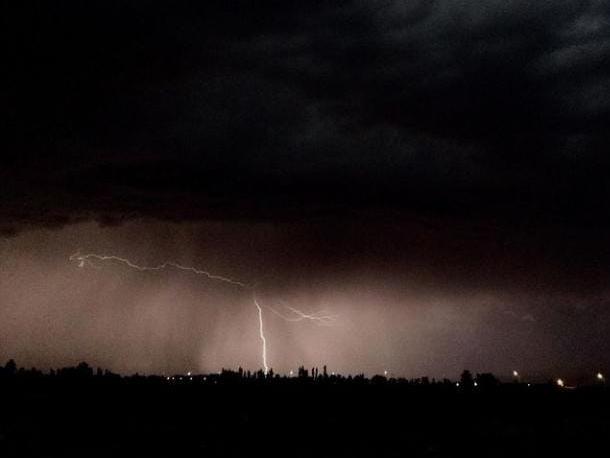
(87, 415)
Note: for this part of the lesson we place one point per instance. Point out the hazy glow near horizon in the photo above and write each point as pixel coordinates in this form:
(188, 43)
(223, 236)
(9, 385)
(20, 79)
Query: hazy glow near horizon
(369, 317)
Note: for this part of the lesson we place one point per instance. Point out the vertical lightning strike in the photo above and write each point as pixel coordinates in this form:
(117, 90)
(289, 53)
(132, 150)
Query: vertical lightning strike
(261, 334)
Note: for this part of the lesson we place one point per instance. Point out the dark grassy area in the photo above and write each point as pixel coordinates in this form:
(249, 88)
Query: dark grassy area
(86, 415)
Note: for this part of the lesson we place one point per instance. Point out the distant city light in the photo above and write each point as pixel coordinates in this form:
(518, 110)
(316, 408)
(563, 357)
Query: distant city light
(457, 383)
(385, 373)
(515, 374)
(560, 382)
(291, 373)
(600, 377)
(476, 384)
(188, 373)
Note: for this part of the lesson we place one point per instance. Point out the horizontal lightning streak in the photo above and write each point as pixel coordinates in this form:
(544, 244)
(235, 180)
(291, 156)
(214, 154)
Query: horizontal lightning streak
(84, 258)
(319, 318)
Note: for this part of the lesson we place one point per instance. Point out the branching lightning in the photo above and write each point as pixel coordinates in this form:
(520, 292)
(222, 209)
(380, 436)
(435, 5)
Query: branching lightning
(321, 318)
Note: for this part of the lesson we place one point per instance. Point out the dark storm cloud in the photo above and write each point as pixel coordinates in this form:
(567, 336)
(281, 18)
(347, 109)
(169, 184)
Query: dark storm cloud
(115, 110)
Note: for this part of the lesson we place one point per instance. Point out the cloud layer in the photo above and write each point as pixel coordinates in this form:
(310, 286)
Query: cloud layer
(269, 110)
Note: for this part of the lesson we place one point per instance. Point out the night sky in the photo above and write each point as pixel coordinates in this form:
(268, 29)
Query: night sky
(434, 174)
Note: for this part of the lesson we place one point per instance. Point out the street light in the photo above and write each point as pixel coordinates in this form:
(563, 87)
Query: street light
(560, 383)
(600, 377)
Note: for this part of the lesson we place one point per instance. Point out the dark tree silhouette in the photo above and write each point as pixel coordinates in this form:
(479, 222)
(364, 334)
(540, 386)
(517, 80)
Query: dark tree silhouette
(466, 380)
(10, 368)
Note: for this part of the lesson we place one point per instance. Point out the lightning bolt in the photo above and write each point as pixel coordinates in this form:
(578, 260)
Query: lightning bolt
(261, 332)
(87, 259)
(320, 318)
(84, 259)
